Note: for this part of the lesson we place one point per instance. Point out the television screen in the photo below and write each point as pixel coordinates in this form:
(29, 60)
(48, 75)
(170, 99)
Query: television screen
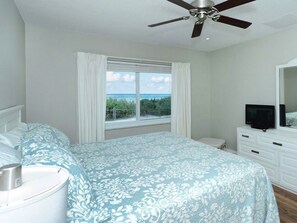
(260, 116)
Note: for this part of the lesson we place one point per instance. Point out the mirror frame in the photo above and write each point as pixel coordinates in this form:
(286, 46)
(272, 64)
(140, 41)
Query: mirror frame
(292, 63)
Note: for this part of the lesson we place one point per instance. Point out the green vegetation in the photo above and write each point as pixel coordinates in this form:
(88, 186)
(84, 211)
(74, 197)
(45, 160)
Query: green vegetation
(123, 109)
(155, 107)
(119, 109)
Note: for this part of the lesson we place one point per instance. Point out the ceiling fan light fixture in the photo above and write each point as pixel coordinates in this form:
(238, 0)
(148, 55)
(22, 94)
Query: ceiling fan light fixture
(202, 17)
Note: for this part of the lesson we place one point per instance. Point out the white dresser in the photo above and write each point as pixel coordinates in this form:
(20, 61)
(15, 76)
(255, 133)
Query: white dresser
(276, 150)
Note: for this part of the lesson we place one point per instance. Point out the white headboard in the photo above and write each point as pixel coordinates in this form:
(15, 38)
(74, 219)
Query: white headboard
(10, 118)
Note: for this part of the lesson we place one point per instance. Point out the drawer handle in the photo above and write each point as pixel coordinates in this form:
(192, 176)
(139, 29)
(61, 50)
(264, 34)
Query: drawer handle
(277, 144)
(245, 136)
(254, 151)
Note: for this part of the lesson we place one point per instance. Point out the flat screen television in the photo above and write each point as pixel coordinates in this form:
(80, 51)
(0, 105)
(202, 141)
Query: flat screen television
(260, 116)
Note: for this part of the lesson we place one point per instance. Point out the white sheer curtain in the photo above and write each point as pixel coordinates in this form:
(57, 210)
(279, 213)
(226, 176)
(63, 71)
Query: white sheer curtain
(91, 96)
(181, 99)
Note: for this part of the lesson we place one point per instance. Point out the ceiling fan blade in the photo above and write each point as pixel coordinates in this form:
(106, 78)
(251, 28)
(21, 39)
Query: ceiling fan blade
(182, 4)
(169, 21)
(233, 22)
(197, 29)
(231, 4)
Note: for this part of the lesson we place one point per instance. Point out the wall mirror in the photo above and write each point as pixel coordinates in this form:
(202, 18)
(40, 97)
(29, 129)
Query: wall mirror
(286, 96)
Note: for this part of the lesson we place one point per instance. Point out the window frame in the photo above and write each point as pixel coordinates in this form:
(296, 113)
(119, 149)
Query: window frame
(109, 125)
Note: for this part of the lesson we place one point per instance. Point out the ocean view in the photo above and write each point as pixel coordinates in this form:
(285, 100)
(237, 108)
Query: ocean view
(131, 97)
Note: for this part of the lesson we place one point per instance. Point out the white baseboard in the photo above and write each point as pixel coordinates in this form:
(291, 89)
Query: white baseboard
(231, 151)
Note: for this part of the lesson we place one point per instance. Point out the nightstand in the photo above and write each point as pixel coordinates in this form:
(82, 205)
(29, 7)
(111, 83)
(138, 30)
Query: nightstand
(41, 198)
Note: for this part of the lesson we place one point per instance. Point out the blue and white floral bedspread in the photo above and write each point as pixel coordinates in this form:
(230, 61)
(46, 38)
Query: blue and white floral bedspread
(160, 177)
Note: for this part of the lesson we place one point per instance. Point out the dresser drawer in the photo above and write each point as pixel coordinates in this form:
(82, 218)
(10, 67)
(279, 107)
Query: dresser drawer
(246, 136)
(275, 143)
(264, 155)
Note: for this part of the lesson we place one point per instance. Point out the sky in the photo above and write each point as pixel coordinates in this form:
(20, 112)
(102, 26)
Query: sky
(150, 83)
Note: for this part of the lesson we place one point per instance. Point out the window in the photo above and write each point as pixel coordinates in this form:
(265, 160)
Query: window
(137, 93)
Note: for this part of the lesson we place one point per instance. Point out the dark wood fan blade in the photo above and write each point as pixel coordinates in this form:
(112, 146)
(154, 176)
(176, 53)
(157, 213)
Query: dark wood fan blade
(170, 21)
(231, 4)
(182, 4)
(233, 22)
(197, 29)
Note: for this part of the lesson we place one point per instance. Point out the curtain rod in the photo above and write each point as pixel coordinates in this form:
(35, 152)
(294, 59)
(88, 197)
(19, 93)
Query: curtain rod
(140, 61)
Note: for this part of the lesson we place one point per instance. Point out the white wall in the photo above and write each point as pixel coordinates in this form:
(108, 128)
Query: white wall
(12, 56)
(52, 79)
(245, 74)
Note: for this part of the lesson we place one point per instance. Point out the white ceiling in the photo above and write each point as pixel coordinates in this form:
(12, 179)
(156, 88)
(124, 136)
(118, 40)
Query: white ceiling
(128, 20)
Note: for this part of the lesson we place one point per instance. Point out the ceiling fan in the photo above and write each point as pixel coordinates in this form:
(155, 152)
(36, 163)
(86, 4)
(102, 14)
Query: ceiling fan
(203, 9)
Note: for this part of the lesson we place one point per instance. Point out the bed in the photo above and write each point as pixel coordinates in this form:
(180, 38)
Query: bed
(158, 177)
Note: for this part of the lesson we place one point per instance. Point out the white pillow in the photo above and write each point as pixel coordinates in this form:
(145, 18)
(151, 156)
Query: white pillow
(4, 140)
(23, 126)
(12, 138)
(8, 155)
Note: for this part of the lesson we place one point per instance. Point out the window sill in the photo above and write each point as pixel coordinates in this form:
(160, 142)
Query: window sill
(133, 124)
